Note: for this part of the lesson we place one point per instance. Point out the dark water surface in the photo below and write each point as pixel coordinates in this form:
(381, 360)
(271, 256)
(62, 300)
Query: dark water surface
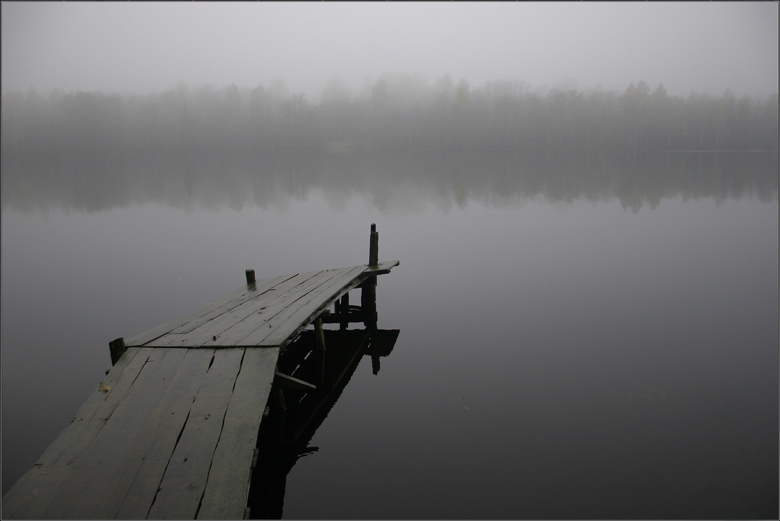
(581, 336)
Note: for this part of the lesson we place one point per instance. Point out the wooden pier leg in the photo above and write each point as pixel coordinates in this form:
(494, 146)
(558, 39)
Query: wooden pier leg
(250, 276)
(280, 403)
(368, 301)
(117, 348)
(321, 348)
(344, 311)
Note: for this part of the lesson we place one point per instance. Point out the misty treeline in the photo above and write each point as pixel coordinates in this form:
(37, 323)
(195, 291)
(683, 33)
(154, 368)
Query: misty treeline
(394, 110)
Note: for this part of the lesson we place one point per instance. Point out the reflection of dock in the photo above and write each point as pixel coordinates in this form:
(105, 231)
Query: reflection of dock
(172, 431)
(285, 434)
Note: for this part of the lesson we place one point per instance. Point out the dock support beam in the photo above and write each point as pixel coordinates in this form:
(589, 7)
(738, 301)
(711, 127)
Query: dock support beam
(280, 400)
(344, 311)
(368, 302)
(250, 276)
(321, 348)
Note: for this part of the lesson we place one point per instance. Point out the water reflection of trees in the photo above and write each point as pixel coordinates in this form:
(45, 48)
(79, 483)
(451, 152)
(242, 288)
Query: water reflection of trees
(400, 180)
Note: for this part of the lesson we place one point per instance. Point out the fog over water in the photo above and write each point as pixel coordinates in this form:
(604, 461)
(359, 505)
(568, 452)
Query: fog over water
(583, 198)
(579, 337)
(140, 47)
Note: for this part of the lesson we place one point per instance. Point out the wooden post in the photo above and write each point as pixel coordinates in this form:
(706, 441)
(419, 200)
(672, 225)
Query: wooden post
(321, 348)
(368, 302)
(368, 287)
(117, 348)
(373, 249)
(250, 276)
(344, 311)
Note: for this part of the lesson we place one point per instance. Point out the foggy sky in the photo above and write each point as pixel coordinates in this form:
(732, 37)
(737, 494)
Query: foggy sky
(133, 47)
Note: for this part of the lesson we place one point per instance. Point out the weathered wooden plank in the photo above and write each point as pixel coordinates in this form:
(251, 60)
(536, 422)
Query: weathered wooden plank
(260, 311)
(152, 439)
(295, 319)
(285, 382)
(279, 322)
(231, 318)
(382, 268)
(158, 331)
(260, 293)
(84, 494)
(185, 478)
(152, 453)
(203, 335)
(32, 493)
(276, 310)
(227, 488)
(237, 296)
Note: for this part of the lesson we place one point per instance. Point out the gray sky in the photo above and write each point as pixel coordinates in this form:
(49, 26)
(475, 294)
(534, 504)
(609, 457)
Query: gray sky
(141, 47)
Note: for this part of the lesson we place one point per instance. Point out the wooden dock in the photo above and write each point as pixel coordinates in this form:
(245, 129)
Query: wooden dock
(172, 431)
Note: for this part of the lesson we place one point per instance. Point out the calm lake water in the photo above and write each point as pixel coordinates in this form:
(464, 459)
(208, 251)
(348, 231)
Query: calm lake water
(581, 335)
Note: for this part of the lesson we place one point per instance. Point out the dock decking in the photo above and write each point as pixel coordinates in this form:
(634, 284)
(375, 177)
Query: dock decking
(172, 430)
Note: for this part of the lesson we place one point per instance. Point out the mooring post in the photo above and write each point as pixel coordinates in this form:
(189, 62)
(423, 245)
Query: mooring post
(117, 348)
(250, 276)
(373, 249)
(368, 287)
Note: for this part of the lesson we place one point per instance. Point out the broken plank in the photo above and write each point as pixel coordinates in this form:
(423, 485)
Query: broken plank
(285, 382)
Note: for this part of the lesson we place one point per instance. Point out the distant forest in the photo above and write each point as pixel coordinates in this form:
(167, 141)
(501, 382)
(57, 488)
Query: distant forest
(393, 111)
